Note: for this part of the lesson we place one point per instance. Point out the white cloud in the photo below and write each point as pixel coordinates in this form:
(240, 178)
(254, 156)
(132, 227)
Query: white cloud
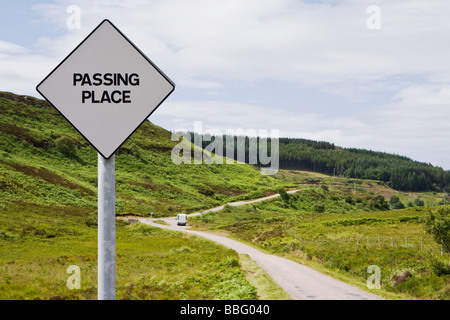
(206, 45)
(416, 125)
(201, 84)
(325, 43)
(11, 48)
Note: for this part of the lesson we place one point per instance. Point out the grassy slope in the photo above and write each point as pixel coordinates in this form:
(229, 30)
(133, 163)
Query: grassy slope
(345, 239)
(34, 169)
(48, 205)
(151, 263)
(368, 187)
(48, 212)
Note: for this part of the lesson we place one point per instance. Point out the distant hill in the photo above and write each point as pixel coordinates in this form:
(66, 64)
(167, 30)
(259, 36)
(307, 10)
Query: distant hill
(44, 161)
(401, 173)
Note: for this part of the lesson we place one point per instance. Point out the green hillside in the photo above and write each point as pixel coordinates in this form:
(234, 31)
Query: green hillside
(399, 172)
(341, 227)
(48, 205)
(44, 161)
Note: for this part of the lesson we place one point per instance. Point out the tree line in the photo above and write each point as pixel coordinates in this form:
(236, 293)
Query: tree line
(399, 172)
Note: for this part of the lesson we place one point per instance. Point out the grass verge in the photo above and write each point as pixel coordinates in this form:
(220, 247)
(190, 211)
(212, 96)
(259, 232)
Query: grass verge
(266, 287)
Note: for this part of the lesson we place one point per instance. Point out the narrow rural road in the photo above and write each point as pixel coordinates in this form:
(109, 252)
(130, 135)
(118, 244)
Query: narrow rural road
(299, 281)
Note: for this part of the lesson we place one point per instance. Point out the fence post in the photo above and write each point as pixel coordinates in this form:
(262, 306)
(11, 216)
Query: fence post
(392, 241)
(379, 241)
(406, 241)
(421, 243)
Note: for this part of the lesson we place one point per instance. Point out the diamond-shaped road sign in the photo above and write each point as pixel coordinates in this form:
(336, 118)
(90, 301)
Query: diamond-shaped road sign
(106, 88)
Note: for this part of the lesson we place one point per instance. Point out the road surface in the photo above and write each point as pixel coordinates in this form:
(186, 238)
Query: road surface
(299, 281)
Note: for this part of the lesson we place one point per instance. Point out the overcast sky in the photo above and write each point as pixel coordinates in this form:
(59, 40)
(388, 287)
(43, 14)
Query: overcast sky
(332, 70)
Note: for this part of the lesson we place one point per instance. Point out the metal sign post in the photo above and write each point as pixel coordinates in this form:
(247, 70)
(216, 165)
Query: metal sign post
(106, 88)
(106, 228)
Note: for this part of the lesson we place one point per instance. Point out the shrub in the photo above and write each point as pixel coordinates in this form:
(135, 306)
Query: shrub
(319, 208)
(142, 229)
(349, 199)
(209, 217)
(234, 287)
(7, 235)
(284, 195)
(401, 278)
(439, 267)
(182, 249)
(231, 262)
(406, 219)
(65, 145)
(396, 203)
(437, 223)
(91, 220)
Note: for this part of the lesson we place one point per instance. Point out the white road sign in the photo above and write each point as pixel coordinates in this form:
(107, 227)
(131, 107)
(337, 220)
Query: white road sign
(106, 88)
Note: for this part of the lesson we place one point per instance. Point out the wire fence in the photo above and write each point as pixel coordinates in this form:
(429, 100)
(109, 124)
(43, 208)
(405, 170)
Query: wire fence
(386, 241)
(373, 241)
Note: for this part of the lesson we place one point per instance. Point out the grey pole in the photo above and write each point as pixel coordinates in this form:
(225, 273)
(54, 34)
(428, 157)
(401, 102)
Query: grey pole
(106, 229)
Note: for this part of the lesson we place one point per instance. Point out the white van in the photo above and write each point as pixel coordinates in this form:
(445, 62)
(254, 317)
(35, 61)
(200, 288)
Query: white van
(181, 219)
